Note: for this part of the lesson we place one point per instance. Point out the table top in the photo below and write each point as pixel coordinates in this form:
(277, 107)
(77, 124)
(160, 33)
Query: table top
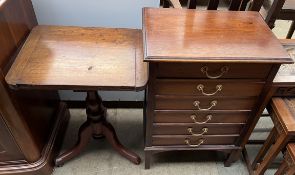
(187, 35)
(80, 59)
(286, 73)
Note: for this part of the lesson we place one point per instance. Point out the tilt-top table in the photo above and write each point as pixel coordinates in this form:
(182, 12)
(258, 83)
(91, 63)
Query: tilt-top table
(83, 59)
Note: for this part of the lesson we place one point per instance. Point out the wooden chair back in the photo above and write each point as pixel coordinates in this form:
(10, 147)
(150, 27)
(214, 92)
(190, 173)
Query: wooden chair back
(212, 4)
(283, 10)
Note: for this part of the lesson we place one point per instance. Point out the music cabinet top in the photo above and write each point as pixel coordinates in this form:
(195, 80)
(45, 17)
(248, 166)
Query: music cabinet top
(188, 35)
(80, 59)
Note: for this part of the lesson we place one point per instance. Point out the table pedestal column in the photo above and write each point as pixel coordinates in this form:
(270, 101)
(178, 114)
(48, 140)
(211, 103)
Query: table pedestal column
(96, 127)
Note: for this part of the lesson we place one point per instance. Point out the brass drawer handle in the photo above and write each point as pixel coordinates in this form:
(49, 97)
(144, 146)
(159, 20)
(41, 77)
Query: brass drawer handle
(201, 141)
(200, 87)
(194, 118)
(204, 131)
(223, 70)
(197, 104)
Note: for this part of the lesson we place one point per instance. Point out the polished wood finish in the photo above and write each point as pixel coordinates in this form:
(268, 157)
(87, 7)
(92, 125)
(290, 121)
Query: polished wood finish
(188, 103)
(236, 71)
(288, 164)
(282, 113)
(61, 50)
(182, 129)
(166, 26)
(198, 55)
(8, 148)
(285, 79)
(84, 59)
(185, 116)
(193, 87)
(96, 126)
(174, 140)
(30, 129)
(44, 165)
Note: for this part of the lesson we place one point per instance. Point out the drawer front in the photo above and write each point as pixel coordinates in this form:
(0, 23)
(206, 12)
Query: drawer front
(208, 88)
(213, 70)
(193, 141)
(191, 116)
(196, 129)
(204, 103)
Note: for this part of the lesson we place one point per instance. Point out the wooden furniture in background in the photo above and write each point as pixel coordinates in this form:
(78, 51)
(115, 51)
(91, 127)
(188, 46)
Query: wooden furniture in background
(83, 59)
(279, 9)
(282, 111)
(283, 86)
(194, 82)
(283, 10)
(213, 4)
(30, 121)
(288, 164)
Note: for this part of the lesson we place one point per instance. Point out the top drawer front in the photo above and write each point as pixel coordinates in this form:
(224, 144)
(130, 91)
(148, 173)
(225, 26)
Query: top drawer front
(213, 70)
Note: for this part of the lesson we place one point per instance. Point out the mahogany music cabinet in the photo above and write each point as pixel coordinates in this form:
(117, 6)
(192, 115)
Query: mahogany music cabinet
(210, 73)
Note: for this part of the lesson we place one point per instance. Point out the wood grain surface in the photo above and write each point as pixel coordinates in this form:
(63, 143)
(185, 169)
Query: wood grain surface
(80, 59)
(180, 35)
(286, 73)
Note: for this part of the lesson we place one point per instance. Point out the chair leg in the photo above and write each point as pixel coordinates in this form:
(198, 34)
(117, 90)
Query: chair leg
(267, 144)
(282, 169)
(291, 30)
(280, 143)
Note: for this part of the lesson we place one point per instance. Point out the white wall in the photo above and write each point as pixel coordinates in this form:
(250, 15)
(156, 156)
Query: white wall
(92, 13)
(105, 13)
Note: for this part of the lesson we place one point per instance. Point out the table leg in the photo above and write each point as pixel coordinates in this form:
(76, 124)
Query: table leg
(280, 143)
(267, 144)
(97, 127)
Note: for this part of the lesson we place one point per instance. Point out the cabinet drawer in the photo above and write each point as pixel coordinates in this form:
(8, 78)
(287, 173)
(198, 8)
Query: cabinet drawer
(204, 103)
(213, 70)
(196, 129)
(164, 140)
(207, 87)
(191, 116)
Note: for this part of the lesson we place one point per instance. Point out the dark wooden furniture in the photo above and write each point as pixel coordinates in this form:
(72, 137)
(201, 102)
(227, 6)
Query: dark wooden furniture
(283, 86)
(284, 10)
(282, 111)
(284, 82)
(84, 59)
(213, 4)
(32, 123)
(206, 91)
(288, 164)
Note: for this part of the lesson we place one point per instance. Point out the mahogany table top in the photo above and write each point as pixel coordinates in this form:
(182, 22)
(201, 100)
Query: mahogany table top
(187, 35)
(80, 59)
